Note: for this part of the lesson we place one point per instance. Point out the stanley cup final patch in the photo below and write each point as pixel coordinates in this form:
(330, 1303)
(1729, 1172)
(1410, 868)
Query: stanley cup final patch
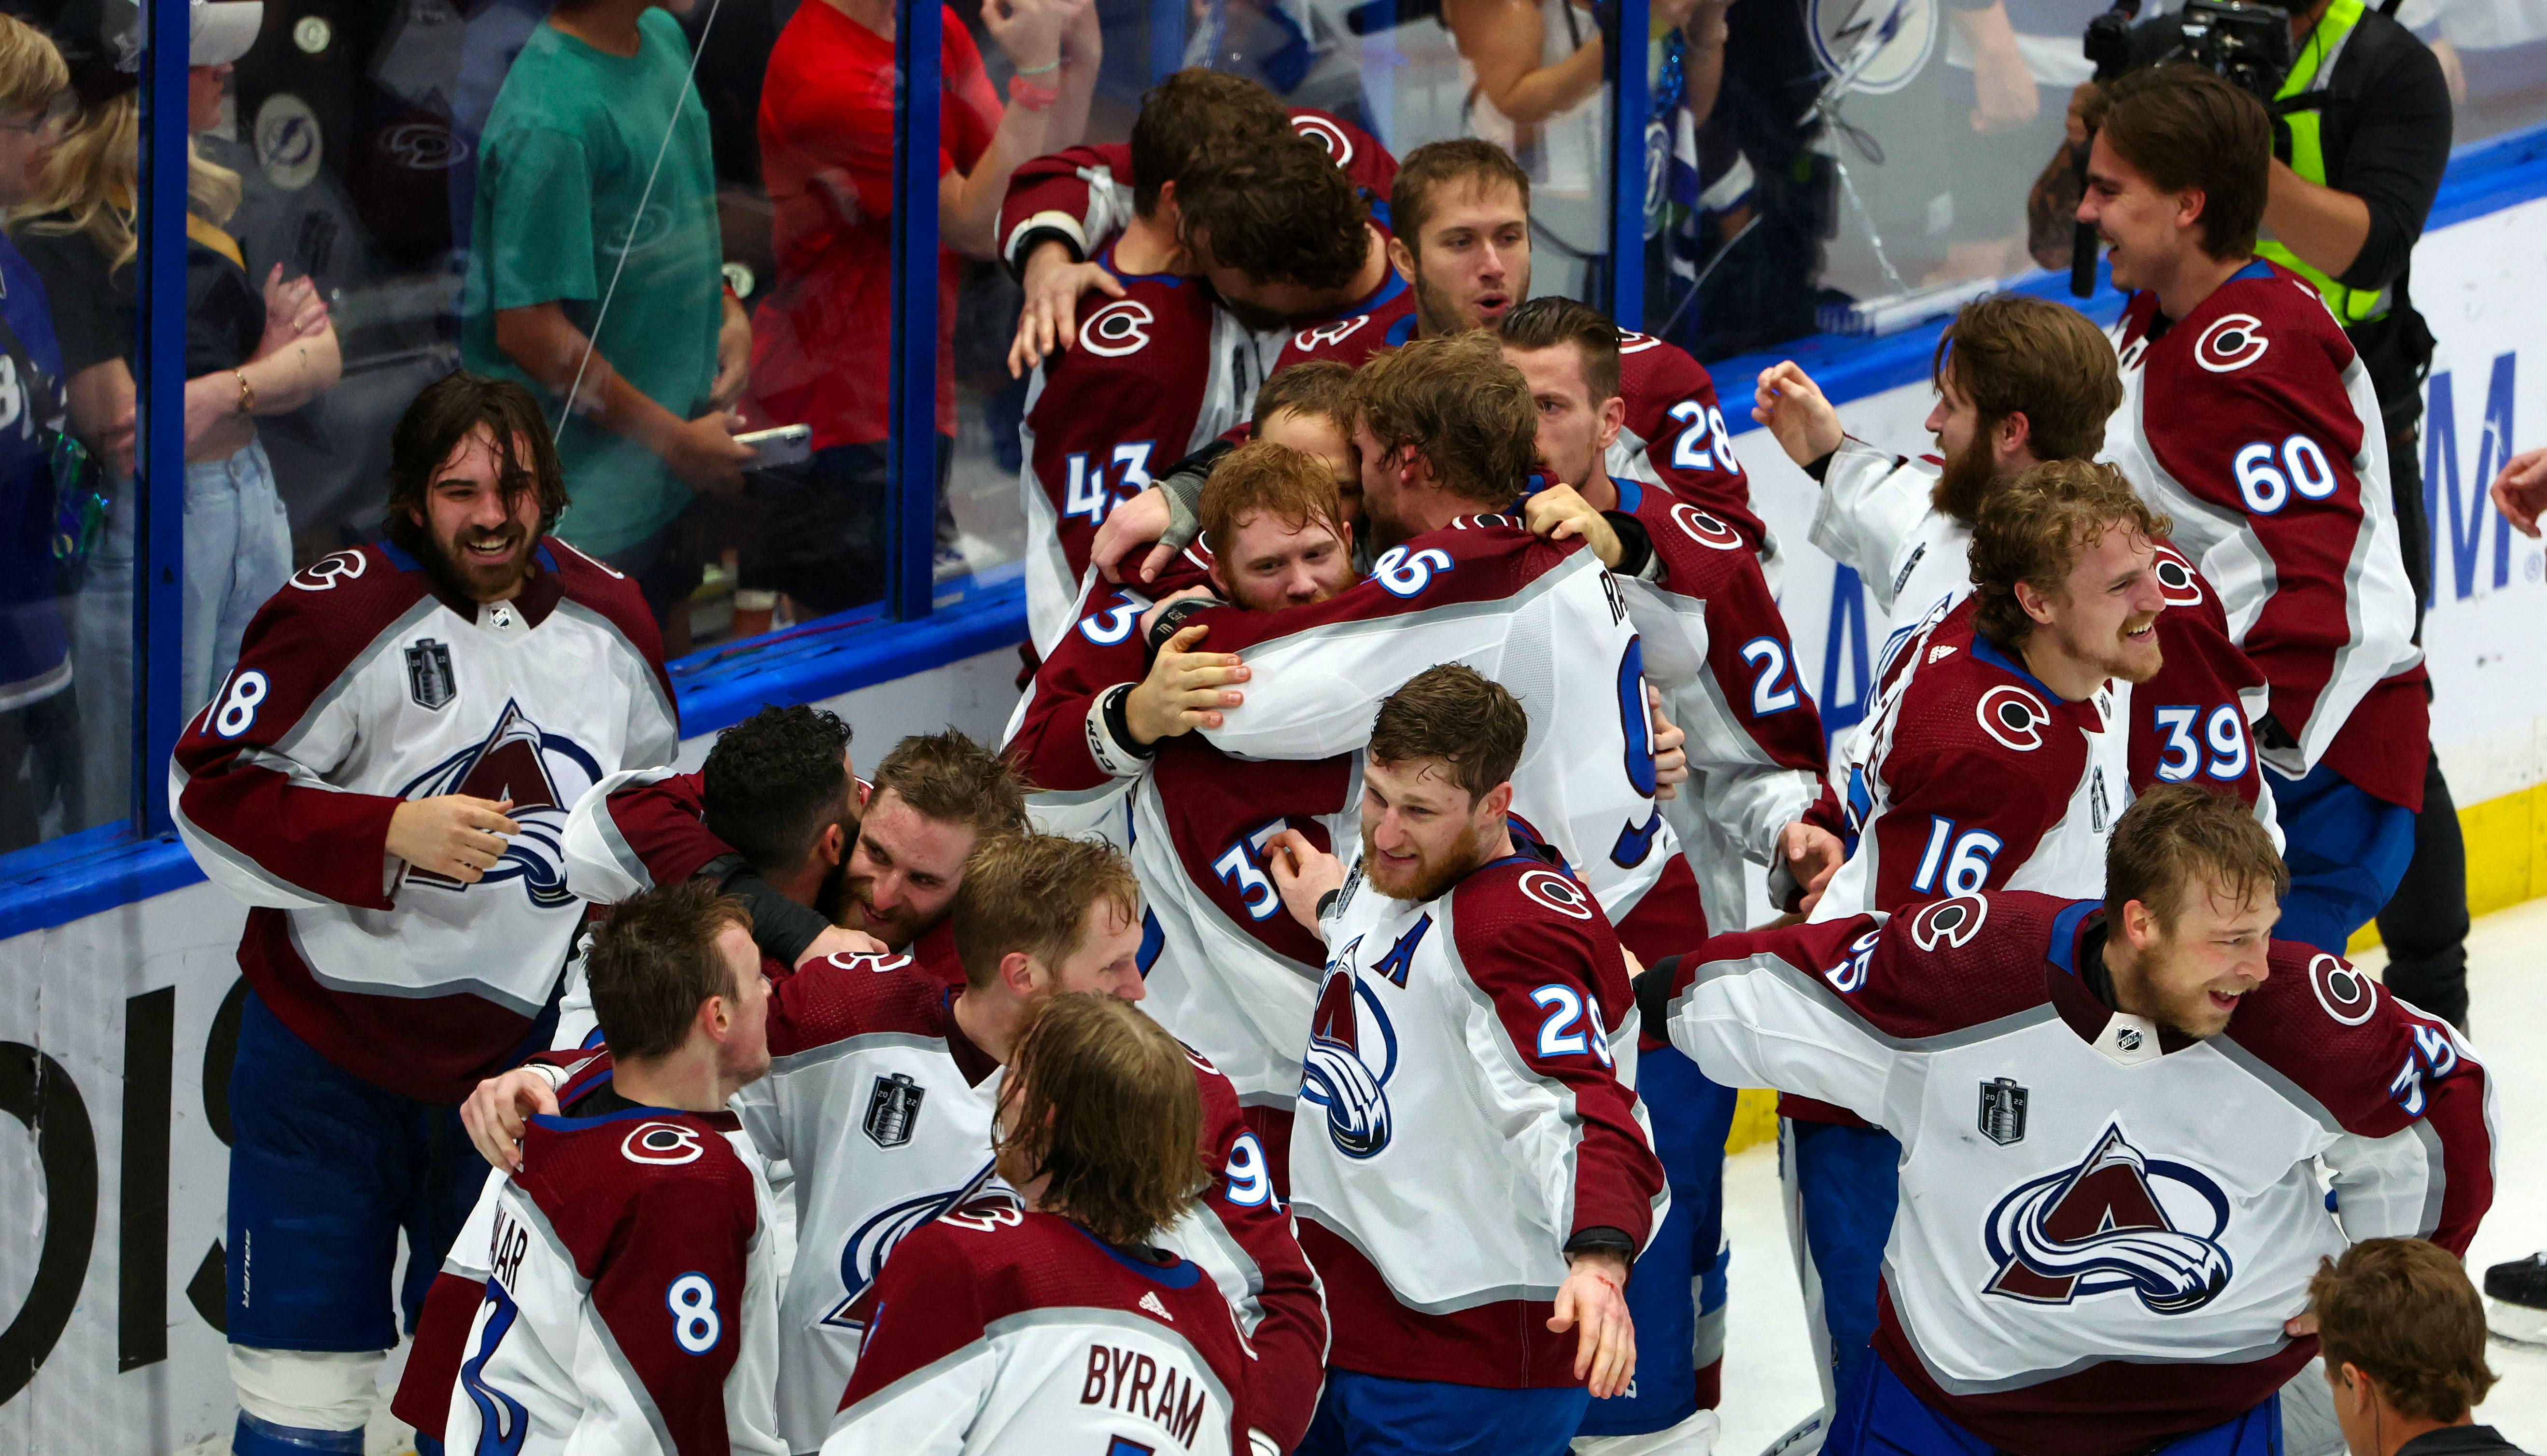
(2002, 1119)
(428, 675)
(892, 1109)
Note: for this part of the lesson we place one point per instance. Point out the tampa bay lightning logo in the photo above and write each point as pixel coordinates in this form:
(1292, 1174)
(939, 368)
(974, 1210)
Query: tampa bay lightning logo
(1352, 1053)
(2116, 1220)
(536, 769)
(863, 1256)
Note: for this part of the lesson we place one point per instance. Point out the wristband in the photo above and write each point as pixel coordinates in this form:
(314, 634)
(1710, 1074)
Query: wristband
(1110, 735)
(1034, 96)
(1046, 68)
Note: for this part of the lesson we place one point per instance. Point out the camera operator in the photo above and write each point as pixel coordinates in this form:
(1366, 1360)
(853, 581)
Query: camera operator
(2362, 136)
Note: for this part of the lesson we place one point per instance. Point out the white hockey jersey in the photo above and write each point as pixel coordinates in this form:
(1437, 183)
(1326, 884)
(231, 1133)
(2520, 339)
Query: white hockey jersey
(1000, 1332)
(359, 686)
(883, 1108)
(1468, 1047)
(631, 1300)
(1875, 516)
(2103, 1223)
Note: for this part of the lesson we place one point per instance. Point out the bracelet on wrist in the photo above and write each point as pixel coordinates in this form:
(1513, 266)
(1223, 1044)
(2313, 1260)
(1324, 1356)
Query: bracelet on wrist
(247, 391)
(1033, 96)
(1053, 64)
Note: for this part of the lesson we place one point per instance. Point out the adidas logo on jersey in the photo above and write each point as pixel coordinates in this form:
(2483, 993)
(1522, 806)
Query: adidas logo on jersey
(1156, 1306)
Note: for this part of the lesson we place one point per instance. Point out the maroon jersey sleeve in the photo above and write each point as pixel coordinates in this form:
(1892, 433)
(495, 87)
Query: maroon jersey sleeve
(1290, 1342)
(1748, 650)
(1061, 190)
(665, 824)
(927, 1305)
(1534, 941)
(1056, 746)
(2189, 722)
(1357, 151)
(245, 769)
(1677, 430)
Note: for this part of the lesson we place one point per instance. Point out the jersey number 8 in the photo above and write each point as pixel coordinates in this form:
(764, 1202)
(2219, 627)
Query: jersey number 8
(695, 1322)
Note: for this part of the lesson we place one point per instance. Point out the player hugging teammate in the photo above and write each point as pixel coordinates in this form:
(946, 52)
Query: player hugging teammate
(1315, 1028)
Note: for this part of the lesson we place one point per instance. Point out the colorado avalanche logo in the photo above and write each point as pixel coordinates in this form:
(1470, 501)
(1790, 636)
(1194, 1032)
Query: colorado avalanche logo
(1950, 922)
(2232, 342)
(974, 1205)
(1705, 529)
(1328, 335)
(2347, 996)
(516, 761)
(2014, 717)
(1117, 329)
(1558, 893)
(1335, 1075)
(2175, 579)
(1329, 137)
(664, 1144)
(1636, 343)
(2118, 1219)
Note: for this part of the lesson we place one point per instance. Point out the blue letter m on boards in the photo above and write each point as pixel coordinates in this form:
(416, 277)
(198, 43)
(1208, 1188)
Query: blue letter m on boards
(2469, 509)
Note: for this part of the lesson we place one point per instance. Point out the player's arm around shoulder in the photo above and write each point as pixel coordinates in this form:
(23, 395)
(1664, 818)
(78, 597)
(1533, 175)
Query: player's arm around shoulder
(925, 1369)
(2414, 1154)
(1795, 1008)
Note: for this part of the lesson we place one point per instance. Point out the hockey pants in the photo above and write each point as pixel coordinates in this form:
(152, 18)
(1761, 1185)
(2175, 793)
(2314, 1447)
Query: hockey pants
(1880, 1417)
(1841, 1186)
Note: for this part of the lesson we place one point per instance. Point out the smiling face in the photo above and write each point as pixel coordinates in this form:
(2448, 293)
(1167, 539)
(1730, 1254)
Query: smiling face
(2147, 234)
(2105, 615)
(1574, 430)
(2189, 975)
(903, 874)
(480, 528)
(1472, 262)
(1421, 832)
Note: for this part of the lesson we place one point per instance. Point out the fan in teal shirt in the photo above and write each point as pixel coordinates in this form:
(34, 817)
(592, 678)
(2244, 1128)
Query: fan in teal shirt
(562, 166)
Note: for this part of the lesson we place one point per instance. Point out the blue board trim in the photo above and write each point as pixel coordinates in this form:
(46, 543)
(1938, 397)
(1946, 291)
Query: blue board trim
(102, 869)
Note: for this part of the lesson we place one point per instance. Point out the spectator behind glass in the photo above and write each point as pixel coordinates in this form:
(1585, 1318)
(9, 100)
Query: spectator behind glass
(819, 339)
(571, 287)
(2403, 1335)
(38, 724)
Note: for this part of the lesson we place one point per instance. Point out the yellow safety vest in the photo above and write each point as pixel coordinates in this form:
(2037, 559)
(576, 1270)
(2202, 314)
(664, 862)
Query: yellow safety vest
(2313, 67)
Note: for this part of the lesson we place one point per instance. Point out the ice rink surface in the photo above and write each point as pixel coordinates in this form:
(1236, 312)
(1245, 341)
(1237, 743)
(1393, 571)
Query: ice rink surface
(1769, 1381)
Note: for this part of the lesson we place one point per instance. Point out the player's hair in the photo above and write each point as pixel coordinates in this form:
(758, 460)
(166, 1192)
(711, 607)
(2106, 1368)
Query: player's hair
(1313, 386)
(949, 778)
(654, 959)
(2033, 531)
(1549, 323)
(1188, 114)
(1106, 1107)
(1267, 478)
(32, 71)
(2403, 1312)
(441, 417)
(1457, 715)
(2186, 129)
(1459, 403)
(2014, 353)
(775, 781)
(2176, 834)
(1035, 892)
(1466, 162)
(1279, 210)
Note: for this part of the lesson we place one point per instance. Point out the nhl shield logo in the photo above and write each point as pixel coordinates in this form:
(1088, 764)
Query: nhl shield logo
(2003, 1110)
(892, 1109)
(429, 681)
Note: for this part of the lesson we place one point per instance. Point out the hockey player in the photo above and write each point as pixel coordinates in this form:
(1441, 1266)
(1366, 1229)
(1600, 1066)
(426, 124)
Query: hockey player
(2019, 380)
(1055, 1319)
(2248, 418)
(1164, 369)
(1716, 647)
(2106, 1249)
(382, 778)
(1445, 433)
(630, 1299)
(933, 799)
(1463, 1046)
(1063, 211)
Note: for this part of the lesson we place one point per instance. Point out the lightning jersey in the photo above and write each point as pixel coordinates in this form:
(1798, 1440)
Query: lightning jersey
(883, 1106)
(1675, 437)
(2103, 1224)
(1012, 1332)
(1715, 644)
(358, 686)
(1974, 775)
(1540, 618)
(1466, 1046)
(2253, 423)
(1156, 374)
(1085, 193)
(1228, 969)
(629, 1299)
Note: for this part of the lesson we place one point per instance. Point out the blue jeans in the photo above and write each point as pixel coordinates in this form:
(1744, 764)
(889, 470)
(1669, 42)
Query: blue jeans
(1843, 1183)
(1880, 1417)
(102, 663)
(238, 555)
(2345, 850)
(1676, 1293)
(1374, 1416)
